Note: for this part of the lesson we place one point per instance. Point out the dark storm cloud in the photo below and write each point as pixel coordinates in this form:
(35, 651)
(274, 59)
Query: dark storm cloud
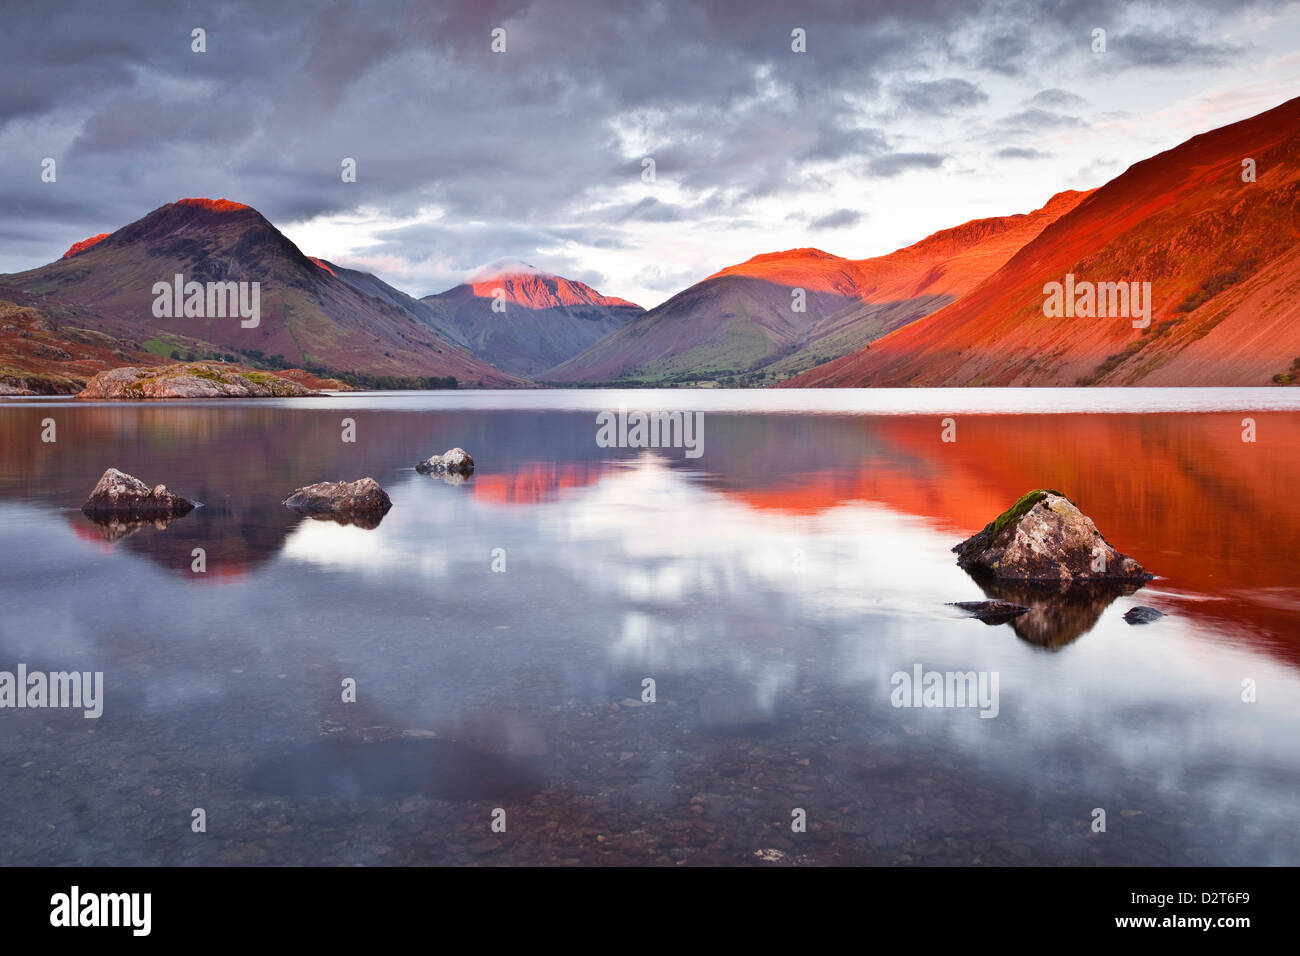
(516, 142)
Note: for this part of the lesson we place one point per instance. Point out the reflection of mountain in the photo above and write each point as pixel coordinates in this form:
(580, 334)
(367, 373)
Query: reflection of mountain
(537, 482)
(1183, 494)
(1214, 517)
(114, 528)
(235, 543)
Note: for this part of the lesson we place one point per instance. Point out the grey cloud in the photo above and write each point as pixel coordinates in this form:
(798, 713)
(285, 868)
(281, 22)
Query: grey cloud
(1021, 152)
(1056, 99)
(517, 142)
(939, 97)
(1035, 119)
(894, 164)
(1142, 48)
(840, 219)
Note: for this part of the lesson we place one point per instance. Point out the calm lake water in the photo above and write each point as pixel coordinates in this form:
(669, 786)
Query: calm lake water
(770, 588)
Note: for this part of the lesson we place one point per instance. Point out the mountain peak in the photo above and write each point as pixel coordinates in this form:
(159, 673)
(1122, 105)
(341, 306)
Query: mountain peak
(505, 269)
(85, 244)
(529, 286)
(212, 205)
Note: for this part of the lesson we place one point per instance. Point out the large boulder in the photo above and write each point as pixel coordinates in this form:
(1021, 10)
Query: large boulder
(454, 462)
(1045, 537)
(360, 497)
(125, 496)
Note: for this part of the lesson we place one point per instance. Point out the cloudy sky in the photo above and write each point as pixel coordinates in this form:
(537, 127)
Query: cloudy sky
(902, 117)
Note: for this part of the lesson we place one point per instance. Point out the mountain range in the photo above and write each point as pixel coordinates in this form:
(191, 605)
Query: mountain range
(1205, 234)
(1211, 224)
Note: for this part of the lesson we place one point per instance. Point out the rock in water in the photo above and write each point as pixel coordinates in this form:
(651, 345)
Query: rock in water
(991, 612)
(1142, 615)
(1045, 537)
(454, 462)
(122, 495)
(363, 496)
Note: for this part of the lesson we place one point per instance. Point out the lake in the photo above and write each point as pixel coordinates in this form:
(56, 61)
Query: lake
(631, 656)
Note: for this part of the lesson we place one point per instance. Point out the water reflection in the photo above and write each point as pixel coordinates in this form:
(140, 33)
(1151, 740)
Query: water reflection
(115, 528)
(1059, 613)
(770, 588)
(440, 768)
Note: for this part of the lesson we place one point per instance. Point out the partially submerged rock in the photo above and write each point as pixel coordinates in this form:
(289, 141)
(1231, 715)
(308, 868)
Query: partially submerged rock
(991, 612)
(1045, 537)
(360, 497)
(125, 496)
(454, 462)
(1142, 615)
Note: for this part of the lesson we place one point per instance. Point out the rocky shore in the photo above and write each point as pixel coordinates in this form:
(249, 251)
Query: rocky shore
(191, 380)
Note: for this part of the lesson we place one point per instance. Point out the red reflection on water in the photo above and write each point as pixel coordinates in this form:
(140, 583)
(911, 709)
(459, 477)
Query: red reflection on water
(537, 482)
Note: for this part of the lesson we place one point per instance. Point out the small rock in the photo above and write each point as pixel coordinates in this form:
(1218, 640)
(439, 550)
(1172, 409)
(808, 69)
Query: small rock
(454, 462)
(123, 495)
(363, 496)
(991, 612)
(1142, 615)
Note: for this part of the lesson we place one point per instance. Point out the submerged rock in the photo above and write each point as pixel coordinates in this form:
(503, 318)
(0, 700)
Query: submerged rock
(991, 612)
(122, 495)
(360, 497)
(1045, 537)
(1142, 615)
(454, 462)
